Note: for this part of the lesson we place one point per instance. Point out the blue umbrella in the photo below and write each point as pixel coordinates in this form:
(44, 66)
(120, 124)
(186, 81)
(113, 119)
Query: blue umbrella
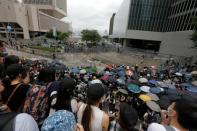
(154, 82)
(121, 73)
(171, 92)
(155, 90)
(186, 85)
(121, 81)
(75, 70)
(192, 89)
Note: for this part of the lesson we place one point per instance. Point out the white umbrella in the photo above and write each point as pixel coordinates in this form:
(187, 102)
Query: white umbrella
(194, 72)
(96, 81)
(123, 91)
(178, 74)
(143, 80)
(153, 106)
(83, 71)
(154, 97)
(194, 83)
(145, 89)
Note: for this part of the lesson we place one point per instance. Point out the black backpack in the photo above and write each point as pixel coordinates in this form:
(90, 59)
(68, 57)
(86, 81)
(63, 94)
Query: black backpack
(7, 121)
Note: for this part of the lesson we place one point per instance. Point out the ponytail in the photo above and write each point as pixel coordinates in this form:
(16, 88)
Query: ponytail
(86, 119)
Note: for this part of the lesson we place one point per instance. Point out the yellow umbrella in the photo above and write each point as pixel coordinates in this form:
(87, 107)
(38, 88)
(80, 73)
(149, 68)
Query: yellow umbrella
(145, 98)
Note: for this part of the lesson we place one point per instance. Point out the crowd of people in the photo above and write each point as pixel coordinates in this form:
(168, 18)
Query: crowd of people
(38, 95)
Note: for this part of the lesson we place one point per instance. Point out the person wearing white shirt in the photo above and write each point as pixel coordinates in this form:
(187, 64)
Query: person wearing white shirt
(180, 116)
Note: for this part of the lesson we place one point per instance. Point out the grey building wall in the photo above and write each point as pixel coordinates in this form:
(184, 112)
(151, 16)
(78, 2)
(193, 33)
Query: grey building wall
(111, 24)
(178, 43)
(168, 21)
(121, 20)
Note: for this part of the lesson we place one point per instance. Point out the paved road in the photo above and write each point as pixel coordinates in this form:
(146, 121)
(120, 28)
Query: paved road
(77, 59)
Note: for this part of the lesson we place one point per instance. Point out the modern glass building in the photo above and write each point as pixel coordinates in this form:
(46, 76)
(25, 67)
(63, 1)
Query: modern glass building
(155, 24)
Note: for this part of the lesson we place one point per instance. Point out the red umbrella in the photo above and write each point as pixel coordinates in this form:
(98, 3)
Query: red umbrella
(108, 67)
(105, 77)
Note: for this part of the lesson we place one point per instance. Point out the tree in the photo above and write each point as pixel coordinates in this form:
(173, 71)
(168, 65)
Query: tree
(63, 36)
(194, 35)
(90, 35)
(49, 34)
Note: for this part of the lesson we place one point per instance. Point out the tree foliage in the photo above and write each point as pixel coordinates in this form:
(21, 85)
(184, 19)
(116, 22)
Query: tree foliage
(90, 35)
(194, 35)
(63, 36)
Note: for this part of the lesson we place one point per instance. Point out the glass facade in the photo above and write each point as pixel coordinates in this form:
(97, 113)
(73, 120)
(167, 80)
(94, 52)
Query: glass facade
(161, 15)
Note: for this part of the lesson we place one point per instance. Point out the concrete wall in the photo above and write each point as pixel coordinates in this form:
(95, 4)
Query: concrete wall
(121, 20)
(62, 4)
(47, 22)
(33, 18)
(7, 12)
(144, 35)
(178, 43)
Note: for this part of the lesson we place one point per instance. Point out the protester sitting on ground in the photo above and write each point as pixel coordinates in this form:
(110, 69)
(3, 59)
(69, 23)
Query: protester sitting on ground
(89, 115)
(64, 99)
(15, 90)
(127, 119)
(181, 116)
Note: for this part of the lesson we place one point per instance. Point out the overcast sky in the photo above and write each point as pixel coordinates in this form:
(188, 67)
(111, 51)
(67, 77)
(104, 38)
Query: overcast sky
(91, 14)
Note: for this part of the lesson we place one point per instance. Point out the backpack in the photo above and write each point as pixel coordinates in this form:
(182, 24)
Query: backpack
(7, 121)
(37, 103)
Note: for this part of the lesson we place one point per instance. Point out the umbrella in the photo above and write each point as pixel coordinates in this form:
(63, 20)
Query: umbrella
(100, 69)
(123, 91)
(143, 80)
(154, 82)
(178, 74)
(108, 67)
(105, 77)
(121, 81)
(162, 84)
(145, 89)
(194, 72)
(155, 90)
(121, 73)
(154, 97)
(153, 106)
(174, 97)
(145, 98)
(134, 88)
(185, 85)
(171, 92)
(96, 81)
(83, 71)
(192, 89)
(91, 69)
(164, 102)
(108, 73)
(112, 79)
(75, 70)
(194, 83)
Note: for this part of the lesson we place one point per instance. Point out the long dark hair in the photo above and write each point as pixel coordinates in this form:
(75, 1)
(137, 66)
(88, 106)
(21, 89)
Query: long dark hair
(94, 93)
(65, 94)
(128, 117)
